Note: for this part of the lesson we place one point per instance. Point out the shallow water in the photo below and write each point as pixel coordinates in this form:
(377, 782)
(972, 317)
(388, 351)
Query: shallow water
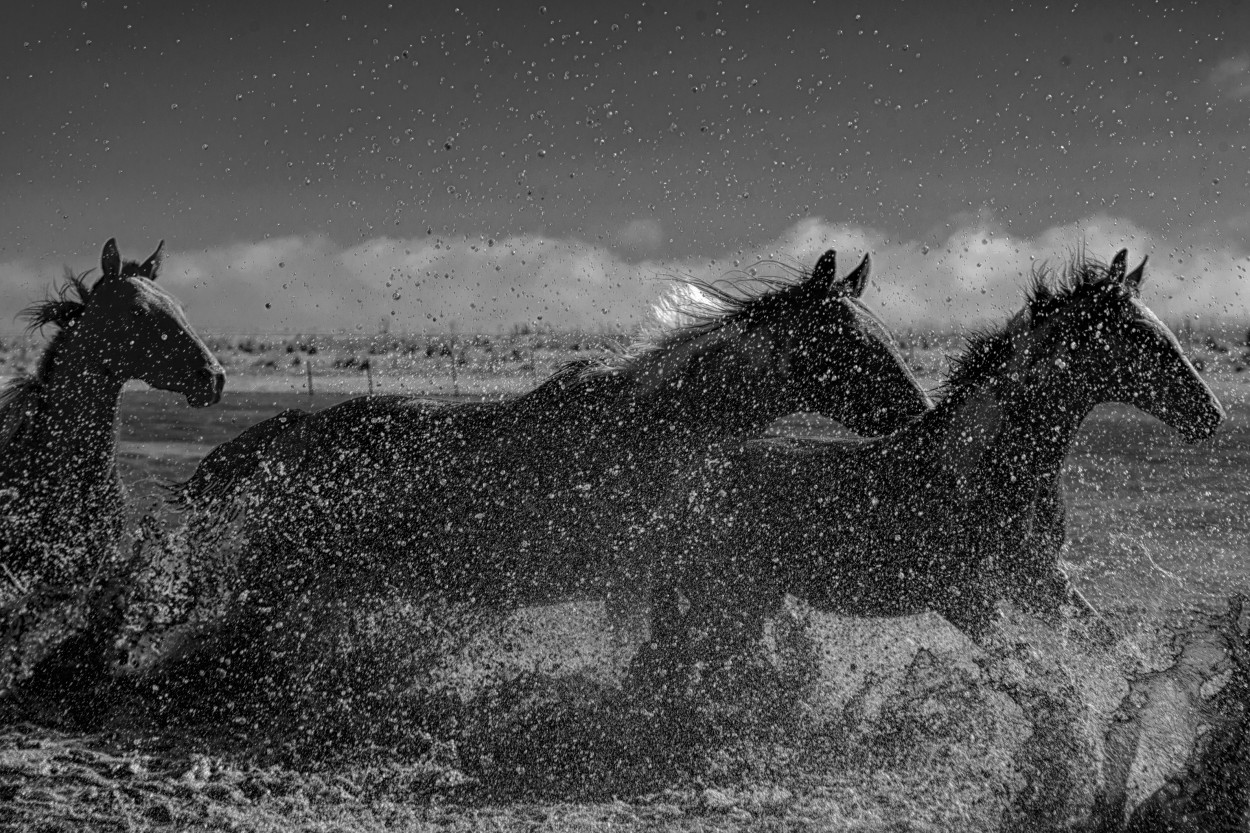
(902, 719)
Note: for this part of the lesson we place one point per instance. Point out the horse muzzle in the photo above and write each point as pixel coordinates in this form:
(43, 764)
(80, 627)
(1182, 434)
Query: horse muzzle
(1203, 425)
(207, 391)
(1196, 419)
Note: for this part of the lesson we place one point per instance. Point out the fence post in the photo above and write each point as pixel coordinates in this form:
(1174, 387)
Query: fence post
(308, 367)
(455, 384)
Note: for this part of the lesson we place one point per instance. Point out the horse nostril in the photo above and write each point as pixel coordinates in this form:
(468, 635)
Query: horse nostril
(214, 380)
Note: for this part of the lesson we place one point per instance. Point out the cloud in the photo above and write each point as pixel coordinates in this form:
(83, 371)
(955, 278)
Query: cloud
(639, 238)
(1232, 77)
(971, 276)
(977, 275)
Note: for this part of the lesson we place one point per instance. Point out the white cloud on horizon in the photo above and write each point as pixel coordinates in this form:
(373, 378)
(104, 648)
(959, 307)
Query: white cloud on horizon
(1231, 77)
(430, 284)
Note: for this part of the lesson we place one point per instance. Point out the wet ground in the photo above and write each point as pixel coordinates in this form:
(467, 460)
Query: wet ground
(900, 724)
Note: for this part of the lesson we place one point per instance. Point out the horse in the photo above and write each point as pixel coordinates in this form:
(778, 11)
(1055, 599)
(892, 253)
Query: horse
(61, 498)
(948, 514)
(539, 496)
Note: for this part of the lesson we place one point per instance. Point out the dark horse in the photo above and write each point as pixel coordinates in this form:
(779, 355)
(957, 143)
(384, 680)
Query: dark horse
(539, 496)
(945, 514)
(61, 499)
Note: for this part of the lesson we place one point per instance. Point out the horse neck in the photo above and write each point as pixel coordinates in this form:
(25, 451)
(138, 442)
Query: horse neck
(1039, 430)
(709, 397)
(73, 424)
(1022, 432)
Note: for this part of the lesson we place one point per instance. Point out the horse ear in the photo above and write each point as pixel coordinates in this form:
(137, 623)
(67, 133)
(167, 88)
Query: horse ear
(151, 267)
(1133, 279)
(1119, 265)
(854, 284)
(110, 260)
(824, 274)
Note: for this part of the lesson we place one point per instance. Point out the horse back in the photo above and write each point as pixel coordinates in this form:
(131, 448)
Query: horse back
(235, 461)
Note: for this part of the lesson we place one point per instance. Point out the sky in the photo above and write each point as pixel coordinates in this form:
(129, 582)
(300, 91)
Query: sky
(419, 166)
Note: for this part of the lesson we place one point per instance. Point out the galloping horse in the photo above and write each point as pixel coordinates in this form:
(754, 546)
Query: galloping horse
(61, 499)
(536, 497)
(60, 492)
(944, 514)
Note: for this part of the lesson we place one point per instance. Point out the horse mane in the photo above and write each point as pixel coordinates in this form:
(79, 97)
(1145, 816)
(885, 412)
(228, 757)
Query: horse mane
(693, 307)
(13, 410)
(1050, 290)
(63, 307)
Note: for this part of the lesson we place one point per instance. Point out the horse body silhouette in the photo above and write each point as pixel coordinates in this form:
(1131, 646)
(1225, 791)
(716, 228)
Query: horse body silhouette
(947, 514)
(61, 497)
(62, 583)
(535, 497)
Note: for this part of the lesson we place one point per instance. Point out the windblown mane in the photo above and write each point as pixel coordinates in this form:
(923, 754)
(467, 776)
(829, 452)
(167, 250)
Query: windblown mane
(694, 307)
(62, 309)
(986, 351)
(13, 408)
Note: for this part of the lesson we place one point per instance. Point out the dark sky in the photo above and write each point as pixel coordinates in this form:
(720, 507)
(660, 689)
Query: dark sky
(631, 134)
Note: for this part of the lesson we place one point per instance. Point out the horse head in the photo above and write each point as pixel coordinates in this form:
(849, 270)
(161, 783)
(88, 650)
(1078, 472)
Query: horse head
(1110, 347)
(843, 362)
(136, 330)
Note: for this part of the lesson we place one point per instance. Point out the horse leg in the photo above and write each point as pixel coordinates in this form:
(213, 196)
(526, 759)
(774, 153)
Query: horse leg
(797, 652)
(1081, 604)
(1029, 557)
(1042, 584)
(970, 607)
(627, 599)
(660, 665)
(1046, 594)
(1045, 590)
(729, 633)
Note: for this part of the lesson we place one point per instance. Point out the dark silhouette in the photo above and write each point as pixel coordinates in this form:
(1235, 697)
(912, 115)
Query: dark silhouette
(540, 496)
(61, 499)
(950, 513)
